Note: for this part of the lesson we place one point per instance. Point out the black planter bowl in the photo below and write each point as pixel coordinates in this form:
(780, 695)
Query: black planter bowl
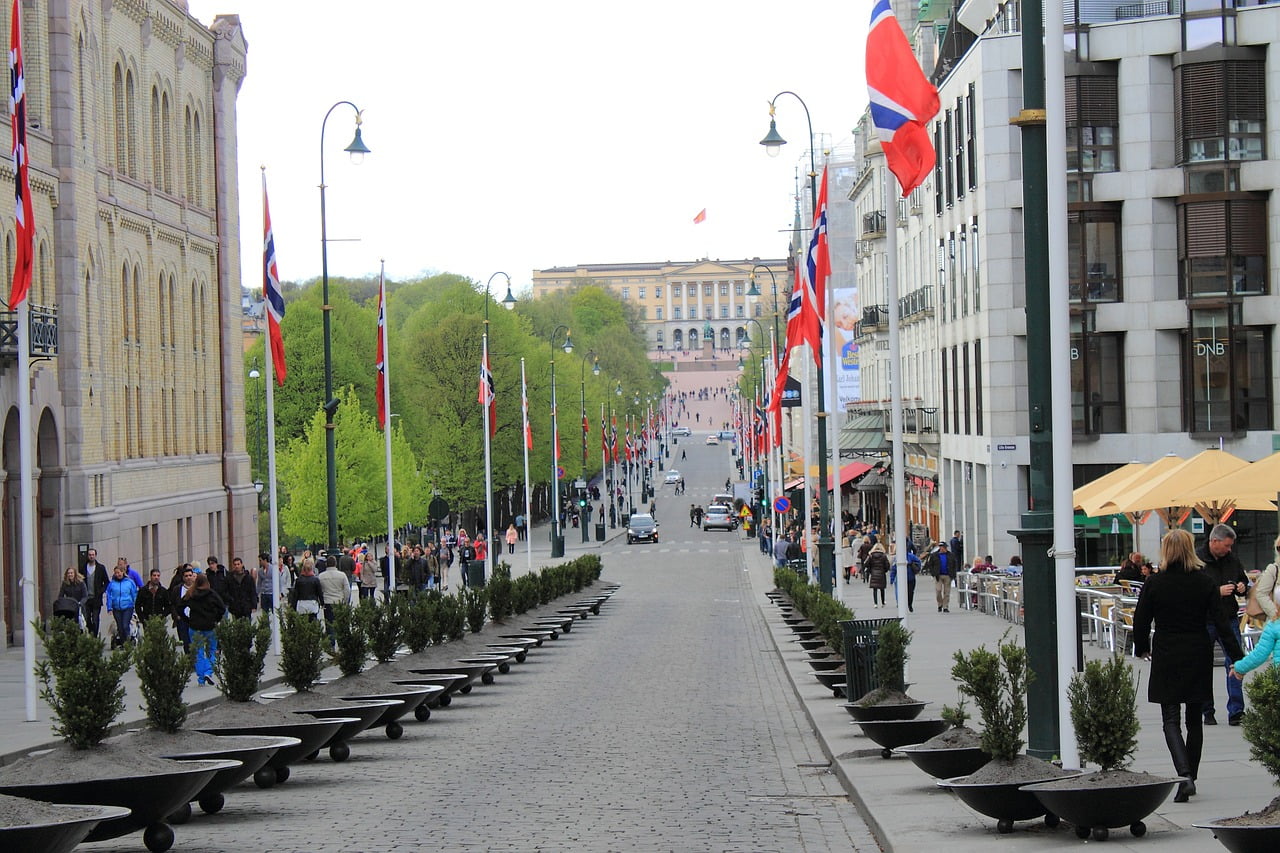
(577, 612)
(149, 797)
(498, 662)
(250, 757)
(813, 643)
(451, 682)
(514, 653)
(357, 716)
(475, 673)
(409, 697)
(875, 713)
(592, 604)
(311, 735)
(826, 664)
(1244, 839)
(563, 624)
(1097, 809)
(823, 653)
(808, 633)
(947, 763)
(891, 734)
(542, 632)
(62, 835)
(525, 643)
(833, 680)
(1005, 801)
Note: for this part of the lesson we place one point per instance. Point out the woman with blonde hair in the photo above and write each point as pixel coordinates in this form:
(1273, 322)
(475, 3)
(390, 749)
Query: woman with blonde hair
(877, 568)
(1182, 601)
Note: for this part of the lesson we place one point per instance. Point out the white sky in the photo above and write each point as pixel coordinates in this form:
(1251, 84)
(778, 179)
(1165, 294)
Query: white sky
(524, 135)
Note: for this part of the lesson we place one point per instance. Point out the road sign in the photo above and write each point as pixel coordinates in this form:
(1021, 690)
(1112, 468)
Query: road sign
(438, 508)
(782, 504)
(559, 473)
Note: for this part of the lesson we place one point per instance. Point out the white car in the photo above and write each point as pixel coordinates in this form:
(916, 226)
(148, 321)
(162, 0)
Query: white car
(673, 476)
(713, 439)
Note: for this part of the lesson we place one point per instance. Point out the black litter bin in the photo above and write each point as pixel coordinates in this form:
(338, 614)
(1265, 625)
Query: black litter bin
(626, 519)
(800, 567)
(475, 574)
(557, 545)
(599, 531)
(861, 639)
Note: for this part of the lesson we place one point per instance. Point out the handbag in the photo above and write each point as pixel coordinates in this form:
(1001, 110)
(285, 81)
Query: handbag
(1252, 607)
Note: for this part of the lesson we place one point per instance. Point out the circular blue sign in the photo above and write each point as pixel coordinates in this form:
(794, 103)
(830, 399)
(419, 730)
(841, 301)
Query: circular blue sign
(782, 505)
(559, 473)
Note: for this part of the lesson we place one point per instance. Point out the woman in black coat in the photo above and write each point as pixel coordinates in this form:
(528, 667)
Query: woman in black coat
(1182, 601)
(876, 567)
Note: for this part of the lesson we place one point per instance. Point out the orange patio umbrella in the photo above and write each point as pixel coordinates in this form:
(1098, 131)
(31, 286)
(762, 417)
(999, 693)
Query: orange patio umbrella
(1255, 486)
(1106, 501)
(1103, 484)
(1162, 493)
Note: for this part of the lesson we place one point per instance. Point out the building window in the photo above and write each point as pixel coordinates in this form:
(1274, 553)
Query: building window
(724, 288)
(1220, 111)
(693, 312)
(658, 315)
(675, 312)
(657, 291)
(1227, 369)
(641, 292)
(1222, 247)
(675, 289)
(661, 336)
(1093, 118)
(937, 169)
(977, 386)
(706, 289)
(1093, 253)
(973, 264)
(959, 143)
(1097, 378)
(968, 378)
(724, 311)
(971, 125)
(948, 160)
(644, 313)
(739, 311)
(626, 293)
(759, 310)
(946, 397)
(677, 339)
(738, 289)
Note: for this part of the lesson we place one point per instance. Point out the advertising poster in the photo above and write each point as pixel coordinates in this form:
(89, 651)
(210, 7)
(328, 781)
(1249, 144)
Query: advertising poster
(848, 384)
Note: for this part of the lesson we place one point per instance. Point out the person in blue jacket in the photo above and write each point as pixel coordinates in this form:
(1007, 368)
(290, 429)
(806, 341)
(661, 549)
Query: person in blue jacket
(1263, 649)
(122, 595)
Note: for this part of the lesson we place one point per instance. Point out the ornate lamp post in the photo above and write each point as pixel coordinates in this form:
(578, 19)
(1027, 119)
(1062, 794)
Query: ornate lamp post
(357, 149)
(495, 546)
(557, 537)
(582, 391)
(826, 545)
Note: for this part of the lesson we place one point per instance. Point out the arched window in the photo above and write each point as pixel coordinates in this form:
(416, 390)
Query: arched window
(121, 124)
(738, 335)
(677, 339)
(81, 86)
(661, 336)
(724, 338)
(126, 303)
(157, 156)
(163, 294)
(136, 281)
(131, 122)
(166, 142)
(197, 147)
(189, 154)
(173, 293)
(692, 339)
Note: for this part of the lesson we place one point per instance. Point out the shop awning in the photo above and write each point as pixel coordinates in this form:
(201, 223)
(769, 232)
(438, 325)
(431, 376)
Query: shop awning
(847, 473)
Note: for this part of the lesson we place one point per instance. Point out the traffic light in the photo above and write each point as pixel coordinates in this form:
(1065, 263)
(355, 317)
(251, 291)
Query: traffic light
(582, 498)
(761, 498)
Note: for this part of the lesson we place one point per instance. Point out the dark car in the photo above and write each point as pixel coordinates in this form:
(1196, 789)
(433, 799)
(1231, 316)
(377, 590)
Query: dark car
(642, 528)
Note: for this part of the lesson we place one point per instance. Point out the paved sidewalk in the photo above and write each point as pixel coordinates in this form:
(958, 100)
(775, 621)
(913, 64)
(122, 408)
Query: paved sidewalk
(908, 812)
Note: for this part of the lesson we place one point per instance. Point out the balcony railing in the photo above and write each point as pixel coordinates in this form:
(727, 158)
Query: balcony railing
(873, 224)
(917, 304)
(43, 338)
(874, 317)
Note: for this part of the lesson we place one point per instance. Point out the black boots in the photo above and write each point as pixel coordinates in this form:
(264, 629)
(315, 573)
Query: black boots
(1179, 751)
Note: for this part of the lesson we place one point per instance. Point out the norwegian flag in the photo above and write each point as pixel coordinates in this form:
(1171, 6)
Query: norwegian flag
(24, 216)
(613, 439)
(758, 426)
(271, 291)
(604, 435)
(380, 360)
(816, 270)
(487, 395)
(902, 100)
(524, 409)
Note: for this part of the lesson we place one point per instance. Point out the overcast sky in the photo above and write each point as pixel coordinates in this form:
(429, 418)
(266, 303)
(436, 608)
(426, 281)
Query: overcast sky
(523, 135)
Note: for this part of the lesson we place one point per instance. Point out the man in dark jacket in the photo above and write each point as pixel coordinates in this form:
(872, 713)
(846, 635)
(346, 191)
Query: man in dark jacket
(242, 592)
(217, 574)
(1228, 575)
(95, 583)
(153, 599)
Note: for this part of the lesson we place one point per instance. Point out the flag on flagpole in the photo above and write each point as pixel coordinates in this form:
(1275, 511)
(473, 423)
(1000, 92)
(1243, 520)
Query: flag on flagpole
(816, 270)
(272, 295)
(380, 361)
(586, 430)
(487, 395)
(24, 216)
(604, 433)
(701, 217)
(902, 100)
(524, 411)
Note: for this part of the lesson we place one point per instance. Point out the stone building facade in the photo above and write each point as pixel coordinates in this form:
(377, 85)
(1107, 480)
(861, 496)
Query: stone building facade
(139, 418)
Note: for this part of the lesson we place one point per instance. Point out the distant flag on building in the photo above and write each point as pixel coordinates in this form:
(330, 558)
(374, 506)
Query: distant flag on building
(902, 100)
(24, 216)
(271, 292)
(487, 394)
(380, 361)
(701, 217)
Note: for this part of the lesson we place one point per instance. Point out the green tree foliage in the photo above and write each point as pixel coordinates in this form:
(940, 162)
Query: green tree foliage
(163, 672)
(81, 685)
(242, 654)
(1104, 712)
(997, 682)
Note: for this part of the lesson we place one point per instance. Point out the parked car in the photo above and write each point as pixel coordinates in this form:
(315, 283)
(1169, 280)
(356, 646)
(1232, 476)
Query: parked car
(713, 439)
(681, 431)
(673, 476)
(728, 435)
(719, 517)
(642, 528)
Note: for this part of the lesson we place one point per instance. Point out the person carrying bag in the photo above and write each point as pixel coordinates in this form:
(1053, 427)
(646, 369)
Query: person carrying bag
(1262, 601)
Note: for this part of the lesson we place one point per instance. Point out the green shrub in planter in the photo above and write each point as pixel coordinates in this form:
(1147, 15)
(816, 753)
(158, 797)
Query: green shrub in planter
(385, 626)
(351, 641)
(81, 685)
(443, 616)
(955, 715)
(302, 649)
(500, 590)
(474, 602)
(164, 669)
(997, 682)
(242, 655)
(524, 593)
(891, 656)
(419, 621)
(1262, 719)
(1104, 712)
(454, 617)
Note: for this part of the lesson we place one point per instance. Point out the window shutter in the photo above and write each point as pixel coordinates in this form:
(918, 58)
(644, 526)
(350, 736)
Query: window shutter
(1204, 230)
(1248, 227)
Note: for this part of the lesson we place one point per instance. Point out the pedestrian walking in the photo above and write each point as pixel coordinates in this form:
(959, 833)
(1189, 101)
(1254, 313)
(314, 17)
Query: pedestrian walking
(877, 568)
(943, 567)
(204, 609)
(1227, 573)
(121, 596)
(513, 536)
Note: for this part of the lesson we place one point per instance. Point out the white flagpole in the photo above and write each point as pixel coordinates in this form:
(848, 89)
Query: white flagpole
(27, 521)
(386, 432)
(806, 452)
(895, 394)
(273, 506)
(832, 424)
(604, 468)
(774, 491)
(524, 442)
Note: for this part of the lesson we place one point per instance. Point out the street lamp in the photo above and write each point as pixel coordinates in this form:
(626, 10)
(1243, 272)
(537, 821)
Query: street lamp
(826, 546)
(494, 548)
(256, 375)
(557, 538)
(582, 390)
(357, 149)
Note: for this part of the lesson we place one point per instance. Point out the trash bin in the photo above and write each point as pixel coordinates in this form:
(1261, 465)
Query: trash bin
(475, 574)
(626, 519)
(557, 545)
(861, 639)
(800, 567)
(599, 531)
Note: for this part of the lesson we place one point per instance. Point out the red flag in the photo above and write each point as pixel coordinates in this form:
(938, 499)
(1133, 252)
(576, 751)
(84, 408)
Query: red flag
(380, 360)
(487, 395)
(272, 295)
(524, 409)
(902, 100)
(585, 428)
(25, 218)
(817, 270)
(701, 217)
(604, 435)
